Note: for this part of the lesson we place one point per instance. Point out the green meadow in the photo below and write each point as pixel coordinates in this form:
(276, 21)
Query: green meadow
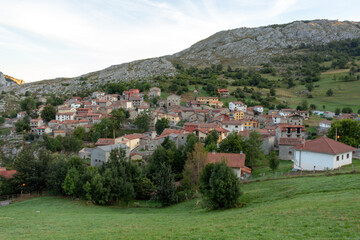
(321, 207)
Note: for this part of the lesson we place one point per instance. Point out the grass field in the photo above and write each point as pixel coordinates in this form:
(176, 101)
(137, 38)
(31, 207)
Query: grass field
(300, 208)
(346, 94)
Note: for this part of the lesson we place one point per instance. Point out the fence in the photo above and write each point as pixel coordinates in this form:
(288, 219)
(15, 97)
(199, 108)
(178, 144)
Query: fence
(353, 168)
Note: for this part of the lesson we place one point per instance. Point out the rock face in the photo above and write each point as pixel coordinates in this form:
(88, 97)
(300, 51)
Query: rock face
(2, 80)
(251, 46)
(241, 46)
(7, 81)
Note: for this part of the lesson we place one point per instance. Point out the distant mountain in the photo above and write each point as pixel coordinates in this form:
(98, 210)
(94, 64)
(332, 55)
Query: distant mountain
(6, 80)
(237, 47)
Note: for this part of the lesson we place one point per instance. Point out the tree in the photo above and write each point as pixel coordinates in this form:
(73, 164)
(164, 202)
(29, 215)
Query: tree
(194, 165)
(71, 144)
(191, 140)
(31, 172)
(143, 122)
(348, 132)
(118, 117)
(212, 138)
(337, 111)
(165, 186)
(312, 106)
(273, 161)
(48, 113)
(79, 133)
(252, 149)
(2, 120)
(232, 144)
(161, 125)
(347, 110)
(56, 175)
(272, 91)
(309, 87)
(28, 104)
(219, 186)
(22, 126)
(304, 105)
(143, 187)
(329, 92)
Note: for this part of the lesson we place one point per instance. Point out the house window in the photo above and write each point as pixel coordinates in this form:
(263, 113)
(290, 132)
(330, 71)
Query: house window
(337, 158)
(342, 157)
(290, 152)
(226, 126)
(236, 126)
(347, 155)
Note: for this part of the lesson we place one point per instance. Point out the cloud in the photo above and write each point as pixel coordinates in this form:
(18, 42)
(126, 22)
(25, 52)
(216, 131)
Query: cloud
(47, 39)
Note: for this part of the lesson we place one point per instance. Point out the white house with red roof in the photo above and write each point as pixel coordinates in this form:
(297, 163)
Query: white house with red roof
(321, 154)
(234, 160)
(65, 116)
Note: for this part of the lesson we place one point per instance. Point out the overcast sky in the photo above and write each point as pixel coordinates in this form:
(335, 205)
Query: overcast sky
(43, 39)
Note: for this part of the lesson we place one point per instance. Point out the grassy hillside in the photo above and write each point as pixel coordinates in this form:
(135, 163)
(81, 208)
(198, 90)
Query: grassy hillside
(307, 207)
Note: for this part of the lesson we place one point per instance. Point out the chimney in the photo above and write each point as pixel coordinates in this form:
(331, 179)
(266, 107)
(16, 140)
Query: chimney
(213, 152)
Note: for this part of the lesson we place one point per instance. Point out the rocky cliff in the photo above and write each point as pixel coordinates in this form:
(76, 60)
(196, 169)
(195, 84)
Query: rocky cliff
(6, 81)
(241, 46)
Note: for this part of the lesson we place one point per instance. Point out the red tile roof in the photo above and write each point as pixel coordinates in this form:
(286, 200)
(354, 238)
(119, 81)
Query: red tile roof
(324, 145)
(289, 141)
(134, 136)
(105, 141)
(234, 160)
(168, 132)
(284, 126)
(7, 173)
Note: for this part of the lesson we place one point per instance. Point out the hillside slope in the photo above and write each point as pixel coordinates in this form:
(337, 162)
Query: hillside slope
(282, 209)
(241, 46)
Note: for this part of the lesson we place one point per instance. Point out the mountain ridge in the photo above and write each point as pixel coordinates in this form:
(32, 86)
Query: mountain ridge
(235, 47)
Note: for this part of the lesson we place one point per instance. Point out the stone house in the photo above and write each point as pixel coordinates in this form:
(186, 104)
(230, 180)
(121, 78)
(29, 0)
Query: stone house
(285, 147)
(101, 154)
(154, 92)
(173, 100)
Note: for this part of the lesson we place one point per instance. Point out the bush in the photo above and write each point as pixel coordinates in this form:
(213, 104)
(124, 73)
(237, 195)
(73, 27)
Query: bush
(219, 186)
(143, 187)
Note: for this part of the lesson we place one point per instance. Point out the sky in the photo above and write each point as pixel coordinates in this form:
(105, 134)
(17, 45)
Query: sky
(45, 39)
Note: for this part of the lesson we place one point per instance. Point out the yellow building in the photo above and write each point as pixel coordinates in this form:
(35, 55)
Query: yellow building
(251, 124)
(239, 115)
(207, 100)
(216, 104)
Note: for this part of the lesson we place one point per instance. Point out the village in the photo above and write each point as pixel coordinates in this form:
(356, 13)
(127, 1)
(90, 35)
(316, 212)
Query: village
(283, 130)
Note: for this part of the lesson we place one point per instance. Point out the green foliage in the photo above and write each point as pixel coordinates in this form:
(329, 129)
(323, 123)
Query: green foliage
(251, 147)
(56, 174)
(143, 188)
(72, 144)
(48, 113)
(161, 125)
(273, 161)
(54, 100)
(165, 186)
(28, 104)
(212, 138)
(143, 122)
(23, 125)
(2, 120)
(337, 111)
(348, 132)
(31, 172)
(118, 117)
(191, 140)
(329, 92)
(231, 144)
(347, 110)
(79, 133)
(219, 186)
